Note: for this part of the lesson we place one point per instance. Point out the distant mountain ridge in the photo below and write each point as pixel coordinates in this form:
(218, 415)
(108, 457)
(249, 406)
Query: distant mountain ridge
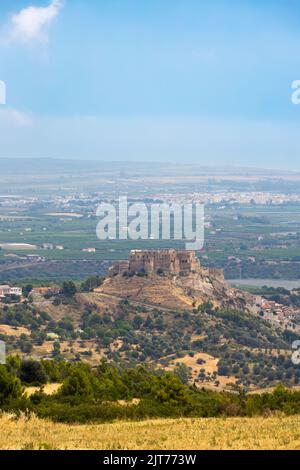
(44, 165)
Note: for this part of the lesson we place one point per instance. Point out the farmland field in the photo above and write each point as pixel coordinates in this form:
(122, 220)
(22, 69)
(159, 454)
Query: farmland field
(162, 434)
(247, 241)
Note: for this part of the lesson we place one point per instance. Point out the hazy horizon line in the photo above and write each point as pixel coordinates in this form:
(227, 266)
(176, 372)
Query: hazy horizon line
(152, 163)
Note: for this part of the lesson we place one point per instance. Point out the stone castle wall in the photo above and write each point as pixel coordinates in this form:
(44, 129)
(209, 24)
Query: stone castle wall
(217, 274)
(151, 261)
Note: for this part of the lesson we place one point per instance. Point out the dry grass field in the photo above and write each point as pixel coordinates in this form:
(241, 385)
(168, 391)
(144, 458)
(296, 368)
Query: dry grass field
(162, 434)
(14, 330)
(210, 365)
(49, 389)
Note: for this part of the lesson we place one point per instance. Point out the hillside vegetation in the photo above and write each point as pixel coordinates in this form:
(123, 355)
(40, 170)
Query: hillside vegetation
(108, 393)
(90, 326)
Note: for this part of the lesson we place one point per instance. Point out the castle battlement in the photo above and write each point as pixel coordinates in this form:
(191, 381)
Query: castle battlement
(168, 261)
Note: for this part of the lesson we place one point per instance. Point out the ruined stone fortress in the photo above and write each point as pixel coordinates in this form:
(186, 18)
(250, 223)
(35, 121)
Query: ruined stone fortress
(167, 261)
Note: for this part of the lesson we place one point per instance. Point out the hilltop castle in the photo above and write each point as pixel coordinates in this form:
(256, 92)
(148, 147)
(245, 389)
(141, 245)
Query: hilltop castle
(167, 261)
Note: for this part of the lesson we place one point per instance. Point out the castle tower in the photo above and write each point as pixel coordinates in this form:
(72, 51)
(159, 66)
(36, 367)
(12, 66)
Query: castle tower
(169, 261)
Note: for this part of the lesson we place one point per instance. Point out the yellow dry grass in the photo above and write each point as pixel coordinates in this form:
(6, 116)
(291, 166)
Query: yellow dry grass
(260, 391)
(210, 366)
(13, 330)
(182, 434)
(68, 348)
(48, 389)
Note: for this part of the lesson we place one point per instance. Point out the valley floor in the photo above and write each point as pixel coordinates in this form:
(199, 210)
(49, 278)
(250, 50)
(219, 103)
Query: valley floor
(165, 434)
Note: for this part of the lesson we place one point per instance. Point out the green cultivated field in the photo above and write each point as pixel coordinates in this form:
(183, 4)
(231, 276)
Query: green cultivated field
(267, 233)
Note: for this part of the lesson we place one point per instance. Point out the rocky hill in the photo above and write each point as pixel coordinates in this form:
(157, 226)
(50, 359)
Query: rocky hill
(170, 279)
(172, 291)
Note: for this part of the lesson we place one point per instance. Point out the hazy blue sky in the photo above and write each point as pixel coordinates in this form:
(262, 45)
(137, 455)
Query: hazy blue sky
(185, 80)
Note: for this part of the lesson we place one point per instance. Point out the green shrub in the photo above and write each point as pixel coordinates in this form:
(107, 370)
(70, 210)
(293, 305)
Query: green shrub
(10, 386)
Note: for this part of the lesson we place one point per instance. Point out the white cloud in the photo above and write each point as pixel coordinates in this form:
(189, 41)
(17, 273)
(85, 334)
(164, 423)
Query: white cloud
(30, 23)
(12, 118)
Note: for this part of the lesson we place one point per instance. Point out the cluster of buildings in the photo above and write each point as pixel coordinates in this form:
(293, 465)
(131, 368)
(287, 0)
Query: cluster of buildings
(30, 257)
(226, 196)
(283, 316)
(6, 290)
(51, 246)
(280, 314)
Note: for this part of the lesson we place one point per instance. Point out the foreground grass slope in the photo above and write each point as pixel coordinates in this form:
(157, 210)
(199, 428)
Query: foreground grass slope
(161, 434)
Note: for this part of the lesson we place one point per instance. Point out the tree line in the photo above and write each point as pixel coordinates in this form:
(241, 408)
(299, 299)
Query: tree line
(108, 392)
